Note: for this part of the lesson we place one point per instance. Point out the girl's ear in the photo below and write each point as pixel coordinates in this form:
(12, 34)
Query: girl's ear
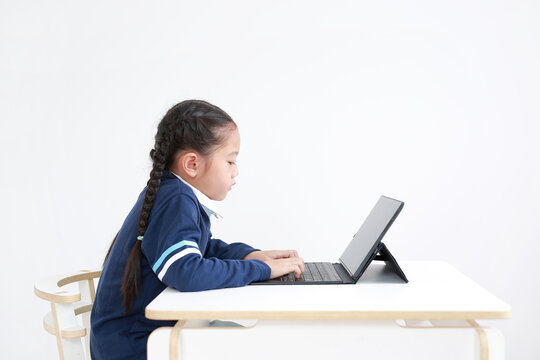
(188, 163)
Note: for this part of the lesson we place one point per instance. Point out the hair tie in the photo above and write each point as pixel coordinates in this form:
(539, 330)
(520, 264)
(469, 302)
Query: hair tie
(140, 238)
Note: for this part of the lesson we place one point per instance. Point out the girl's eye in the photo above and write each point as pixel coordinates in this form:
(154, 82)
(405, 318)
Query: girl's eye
(232, 162)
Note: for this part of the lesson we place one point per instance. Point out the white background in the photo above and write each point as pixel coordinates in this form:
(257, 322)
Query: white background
(431, 102)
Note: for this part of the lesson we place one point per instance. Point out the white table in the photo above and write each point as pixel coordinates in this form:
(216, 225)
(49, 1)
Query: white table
(437, 296)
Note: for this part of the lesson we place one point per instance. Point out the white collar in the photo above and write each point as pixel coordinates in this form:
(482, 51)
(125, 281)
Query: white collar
(207, 203)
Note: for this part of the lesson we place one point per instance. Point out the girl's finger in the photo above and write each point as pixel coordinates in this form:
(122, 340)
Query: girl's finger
(282, 254)
(297, 271)
(302, 265)
(291, 253)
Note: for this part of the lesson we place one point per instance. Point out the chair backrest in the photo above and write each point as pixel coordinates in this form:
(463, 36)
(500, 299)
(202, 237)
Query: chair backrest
(69, 318)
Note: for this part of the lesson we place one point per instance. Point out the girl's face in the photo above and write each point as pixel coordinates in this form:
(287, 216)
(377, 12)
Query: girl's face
(217, 178)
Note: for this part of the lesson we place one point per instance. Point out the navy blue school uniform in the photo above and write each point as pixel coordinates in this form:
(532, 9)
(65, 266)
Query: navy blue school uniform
(177, 251)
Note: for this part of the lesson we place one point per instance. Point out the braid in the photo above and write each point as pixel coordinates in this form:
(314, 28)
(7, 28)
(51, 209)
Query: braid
(191, 124)
(132, 273)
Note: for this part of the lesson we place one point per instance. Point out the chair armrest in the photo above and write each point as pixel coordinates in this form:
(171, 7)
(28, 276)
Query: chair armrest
(49, 288)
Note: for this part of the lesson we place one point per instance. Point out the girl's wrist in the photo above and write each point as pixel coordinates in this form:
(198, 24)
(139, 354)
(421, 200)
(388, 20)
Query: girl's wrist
(252, 255)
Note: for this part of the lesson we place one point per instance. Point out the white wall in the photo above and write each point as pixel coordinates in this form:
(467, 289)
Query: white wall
(434, 103)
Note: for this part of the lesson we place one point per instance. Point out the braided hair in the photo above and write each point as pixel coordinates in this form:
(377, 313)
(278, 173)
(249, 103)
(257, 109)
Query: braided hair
(192, 124)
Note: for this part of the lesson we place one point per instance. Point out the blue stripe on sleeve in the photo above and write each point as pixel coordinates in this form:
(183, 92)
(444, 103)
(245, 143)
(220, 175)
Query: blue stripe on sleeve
(171, 249)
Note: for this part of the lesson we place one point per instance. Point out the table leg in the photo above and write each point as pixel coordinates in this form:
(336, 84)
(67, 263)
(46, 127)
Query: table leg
(482, 336)
(173, 340)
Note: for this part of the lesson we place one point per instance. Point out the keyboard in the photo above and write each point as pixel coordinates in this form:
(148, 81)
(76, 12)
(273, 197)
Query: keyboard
(314, 272)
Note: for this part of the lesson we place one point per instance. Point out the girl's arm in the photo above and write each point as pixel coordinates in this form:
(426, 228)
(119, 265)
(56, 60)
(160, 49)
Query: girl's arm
(221, 250)
(195, 273)
(171, 246)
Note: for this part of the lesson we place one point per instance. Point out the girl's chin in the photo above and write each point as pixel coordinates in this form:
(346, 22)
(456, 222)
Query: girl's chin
(219, 198)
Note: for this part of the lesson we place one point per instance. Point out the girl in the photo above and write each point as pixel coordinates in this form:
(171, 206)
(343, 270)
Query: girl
(166, 238)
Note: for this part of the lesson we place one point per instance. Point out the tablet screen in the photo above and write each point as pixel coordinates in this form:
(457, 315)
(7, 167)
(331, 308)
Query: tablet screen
(367, 238)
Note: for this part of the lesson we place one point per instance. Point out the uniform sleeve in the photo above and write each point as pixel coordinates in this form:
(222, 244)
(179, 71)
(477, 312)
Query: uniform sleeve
(222, 250)
(171, 246)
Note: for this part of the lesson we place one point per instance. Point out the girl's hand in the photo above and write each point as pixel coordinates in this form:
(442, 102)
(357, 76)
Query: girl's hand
(285, 266)
(271, 254)
(281, 262)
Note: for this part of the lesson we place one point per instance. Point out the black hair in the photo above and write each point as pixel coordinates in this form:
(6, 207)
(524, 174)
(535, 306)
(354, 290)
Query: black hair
(194, 125)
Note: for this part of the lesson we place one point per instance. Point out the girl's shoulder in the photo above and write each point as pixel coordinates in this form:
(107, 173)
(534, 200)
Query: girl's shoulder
(172, 187)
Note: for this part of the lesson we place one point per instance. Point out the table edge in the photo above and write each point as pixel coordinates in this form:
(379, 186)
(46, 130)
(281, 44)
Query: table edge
(327, 315)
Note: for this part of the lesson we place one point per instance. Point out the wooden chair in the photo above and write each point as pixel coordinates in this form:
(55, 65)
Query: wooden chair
(69, 318)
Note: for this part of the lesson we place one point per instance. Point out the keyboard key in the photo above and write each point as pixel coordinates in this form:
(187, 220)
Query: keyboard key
(314, 272)
(334, 274)
(322, 271)
(316, 275)
(330, 272)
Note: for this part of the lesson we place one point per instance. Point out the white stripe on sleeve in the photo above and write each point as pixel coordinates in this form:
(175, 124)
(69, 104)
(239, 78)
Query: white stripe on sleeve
(181, 254)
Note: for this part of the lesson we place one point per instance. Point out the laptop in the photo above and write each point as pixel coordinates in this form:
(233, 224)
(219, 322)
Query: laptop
(365, 246)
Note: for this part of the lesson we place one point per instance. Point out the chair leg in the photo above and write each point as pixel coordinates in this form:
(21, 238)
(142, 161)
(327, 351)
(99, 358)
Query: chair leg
(57, 332)
(64, 318)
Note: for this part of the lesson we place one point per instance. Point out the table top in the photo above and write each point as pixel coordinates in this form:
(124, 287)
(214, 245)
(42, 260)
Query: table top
(436, 291)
